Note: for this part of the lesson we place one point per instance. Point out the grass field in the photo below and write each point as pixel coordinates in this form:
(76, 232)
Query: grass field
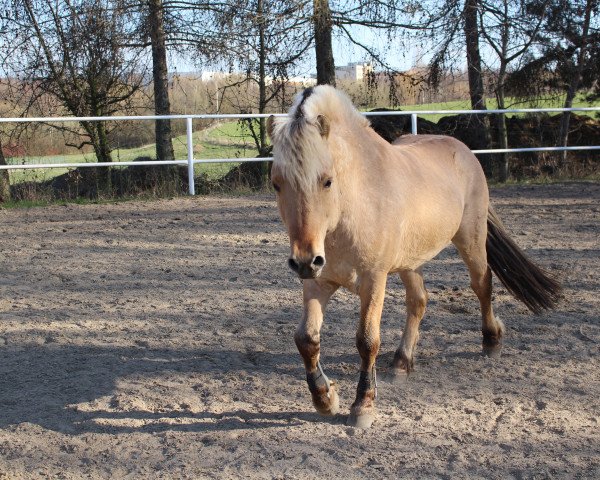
(233, 140)
(491, 104)
(227, 140)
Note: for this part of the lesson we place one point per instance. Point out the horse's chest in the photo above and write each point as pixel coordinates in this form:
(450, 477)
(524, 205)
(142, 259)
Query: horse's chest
(341, 271)
(347, 259)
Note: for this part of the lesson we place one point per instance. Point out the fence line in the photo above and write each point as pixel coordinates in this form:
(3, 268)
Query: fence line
(191, 161)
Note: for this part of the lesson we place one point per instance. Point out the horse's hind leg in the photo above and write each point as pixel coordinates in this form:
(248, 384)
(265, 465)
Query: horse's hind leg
(416, 302)
(308, 341)
(470, 242)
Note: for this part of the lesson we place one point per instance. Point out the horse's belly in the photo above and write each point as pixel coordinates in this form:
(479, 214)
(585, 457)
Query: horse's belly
(413, 259)
(418, 244)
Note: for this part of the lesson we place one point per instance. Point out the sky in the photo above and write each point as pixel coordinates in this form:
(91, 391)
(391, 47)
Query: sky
(344, 52)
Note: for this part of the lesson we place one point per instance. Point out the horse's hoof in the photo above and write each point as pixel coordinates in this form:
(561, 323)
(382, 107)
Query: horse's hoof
(363, 421)
(402, 364)
(330, 406)
(492, 351)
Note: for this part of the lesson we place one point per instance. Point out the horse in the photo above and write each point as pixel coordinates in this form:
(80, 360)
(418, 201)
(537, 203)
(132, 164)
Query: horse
(357, 209)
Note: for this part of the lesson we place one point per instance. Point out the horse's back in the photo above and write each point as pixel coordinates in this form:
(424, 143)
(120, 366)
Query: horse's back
(450, 147)
(444, 157)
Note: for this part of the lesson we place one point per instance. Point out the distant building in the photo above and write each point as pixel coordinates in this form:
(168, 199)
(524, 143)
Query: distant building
(354, 71)
(302, 81)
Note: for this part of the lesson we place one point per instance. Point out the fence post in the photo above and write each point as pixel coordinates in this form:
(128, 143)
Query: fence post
(190, 152)
(413, 123)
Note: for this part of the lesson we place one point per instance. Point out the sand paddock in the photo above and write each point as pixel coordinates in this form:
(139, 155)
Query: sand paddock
(154, 340)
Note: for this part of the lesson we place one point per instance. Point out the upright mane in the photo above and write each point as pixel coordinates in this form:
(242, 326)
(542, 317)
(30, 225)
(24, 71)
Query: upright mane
(299, 140)
(326, 100)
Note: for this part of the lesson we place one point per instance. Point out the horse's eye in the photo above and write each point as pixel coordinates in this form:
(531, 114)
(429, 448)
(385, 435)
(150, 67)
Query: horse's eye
(276, 187)
(327, 184)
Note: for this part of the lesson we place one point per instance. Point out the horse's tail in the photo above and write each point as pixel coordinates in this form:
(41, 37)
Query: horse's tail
(527, 282)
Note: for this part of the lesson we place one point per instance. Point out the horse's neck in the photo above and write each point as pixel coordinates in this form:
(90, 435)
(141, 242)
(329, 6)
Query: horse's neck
(362, 150)
(362, 157)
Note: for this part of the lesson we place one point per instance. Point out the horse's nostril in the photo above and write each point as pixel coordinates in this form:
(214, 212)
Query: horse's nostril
(293, 264)
(319, 261)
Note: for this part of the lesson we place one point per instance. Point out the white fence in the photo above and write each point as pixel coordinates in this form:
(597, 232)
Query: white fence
(191, 161)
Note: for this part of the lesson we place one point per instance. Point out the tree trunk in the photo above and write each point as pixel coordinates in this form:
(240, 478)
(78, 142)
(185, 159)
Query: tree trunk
(323, 48)
(476, 90)
(473, 56)
(563, 136)
(503, 158)
(4, 179)
(162, 106)
(262, 77)
(97, 180)
(102, 147)
(256, 174)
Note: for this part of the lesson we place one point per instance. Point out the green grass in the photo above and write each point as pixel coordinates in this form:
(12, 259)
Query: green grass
(227, 140)
(234, 132)
(43, 174)
(511, 103)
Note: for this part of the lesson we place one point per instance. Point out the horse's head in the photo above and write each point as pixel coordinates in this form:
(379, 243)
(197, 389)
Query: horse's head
(304, 177)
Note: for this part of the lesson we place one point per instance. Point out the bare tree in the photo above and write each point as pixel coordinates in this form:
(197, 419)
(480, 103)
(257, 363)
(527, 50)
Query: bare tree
(577, 67)
(510, 31)
(475, 75)
(389, 18)
(474, 70)
(266, 39)
(51, 53)
(572, 39)
(162, 105)
(568, 58)
(453, 28)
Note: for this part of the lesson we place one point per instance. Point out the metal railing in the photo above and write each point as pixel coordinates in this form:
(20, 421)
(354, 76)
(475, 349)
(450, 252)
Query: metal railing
(190, 161)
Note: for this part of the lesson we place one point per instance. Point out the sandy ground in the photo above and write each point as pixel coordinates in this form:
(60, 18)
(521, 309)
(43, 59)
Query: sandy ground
(154, 340)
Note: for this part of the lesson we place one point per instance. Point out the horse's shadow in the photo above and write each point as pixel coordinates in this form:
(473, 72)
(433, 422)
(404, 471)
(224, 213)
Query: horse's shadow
(204, 421)
(45, 385)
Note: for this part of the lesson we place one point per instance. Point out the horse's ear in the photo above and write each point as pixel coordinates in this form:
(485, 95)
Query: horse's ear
(323, 124)
(271, 126)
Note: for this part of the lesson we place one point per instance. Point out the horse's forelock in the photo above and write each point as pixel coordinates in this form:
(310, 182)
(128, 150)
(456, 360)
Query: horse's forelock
(301, 152)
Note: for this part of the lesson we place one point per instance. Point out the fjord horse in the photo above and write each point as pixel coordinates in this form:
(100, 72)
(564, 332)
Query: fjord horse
(357, 209)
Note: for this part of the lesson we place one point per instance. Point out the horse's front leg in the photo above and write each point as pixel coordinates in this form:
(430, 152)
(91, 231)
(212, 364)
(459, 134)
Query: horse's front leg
(372, 293)
(308, 341)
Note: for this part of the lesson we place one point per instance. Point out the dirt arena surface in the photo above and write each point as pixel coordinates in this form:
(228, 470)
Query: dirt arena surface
(154, 340)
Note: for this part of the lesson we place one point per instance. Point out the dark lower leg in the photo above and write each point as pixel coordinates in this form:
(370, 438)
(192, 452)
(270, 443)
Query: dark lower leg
(363, 408)
(321, 388)
(308, 341)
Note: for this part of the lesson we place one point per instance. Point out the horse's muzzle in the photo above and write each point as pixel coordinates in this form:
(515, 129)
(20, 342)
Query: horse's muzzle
(307, 269)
